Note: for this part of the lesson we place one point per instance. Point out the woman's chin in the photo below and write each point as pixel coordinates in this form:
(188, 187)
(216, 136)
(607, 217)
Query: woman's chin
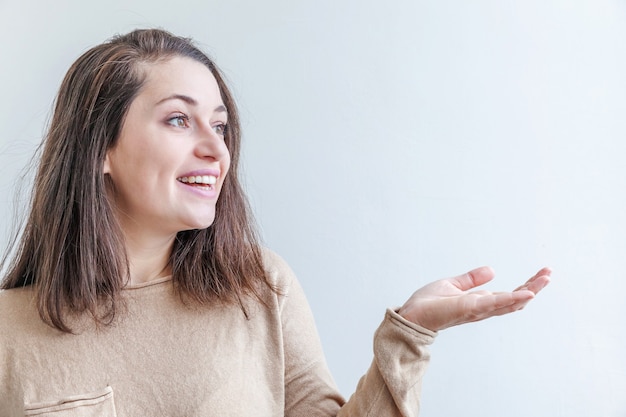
(200, 224)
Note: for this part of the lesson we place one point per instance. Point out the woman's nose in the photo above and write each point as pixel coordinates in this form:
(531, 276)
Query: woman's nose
(211, 143)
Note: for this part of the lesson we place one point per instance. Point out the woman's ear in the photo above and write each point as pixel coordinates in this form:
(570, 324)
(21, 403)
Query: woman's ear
(106, 168)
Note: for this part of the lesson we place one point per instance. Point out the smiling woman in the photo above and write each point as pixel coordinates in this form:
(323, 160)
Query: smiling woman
(139, 257)
(117, 114)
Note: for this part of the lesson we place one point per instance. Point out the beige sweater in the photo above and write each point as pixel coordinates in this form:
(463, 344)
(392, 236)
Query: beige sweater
(162, 358)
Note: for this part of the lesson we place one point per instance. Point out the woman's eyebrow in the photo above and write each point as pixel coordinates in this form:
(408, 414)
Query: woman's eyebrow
(183, 97)
(191, 101)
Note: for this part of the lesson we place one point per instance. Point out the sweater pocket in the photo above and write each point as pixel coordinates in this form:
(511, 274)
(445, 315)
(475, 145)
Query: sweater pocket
(93, 404)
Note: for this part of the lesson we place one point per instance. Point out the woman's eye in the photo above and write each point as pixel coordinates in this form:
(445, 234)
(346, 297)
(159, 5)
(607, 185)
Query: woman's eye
(179, 121)
(220, 129)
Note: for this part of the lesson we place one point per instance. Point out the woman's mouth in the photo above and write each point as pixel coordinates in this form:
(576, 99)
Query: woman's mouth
(199, 180)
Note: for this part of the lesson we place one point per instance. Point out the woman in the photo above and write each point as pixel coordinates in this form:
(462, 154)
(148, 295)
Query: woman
(138, 286)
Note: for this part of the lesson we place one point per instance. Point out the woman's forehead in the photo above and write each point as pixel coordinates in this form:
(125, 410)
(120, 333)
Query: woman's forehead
(180, 76)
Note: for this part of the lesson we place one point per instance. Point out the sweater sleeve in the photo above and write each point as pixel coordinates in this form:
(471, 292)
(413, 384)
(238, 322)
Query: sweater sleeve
(393, 383)
(391, 386)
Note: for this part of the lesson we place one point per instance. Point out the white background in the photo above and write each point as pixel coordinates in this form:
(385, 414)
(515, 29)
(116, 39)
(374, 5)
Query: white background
(388, 144)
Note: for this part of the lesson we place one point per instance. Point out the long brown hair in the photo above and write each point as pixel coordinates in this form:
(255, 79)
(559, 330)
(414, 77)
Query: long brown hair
(71, 249)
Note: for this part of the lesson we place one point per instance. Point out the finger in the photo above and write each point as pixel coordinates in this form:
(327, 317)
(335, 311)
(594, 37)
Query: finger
(518, 305)
(489, 304)
(537, 282)
(506, 310)
(473, 278)
(541, 273)
(544, 271)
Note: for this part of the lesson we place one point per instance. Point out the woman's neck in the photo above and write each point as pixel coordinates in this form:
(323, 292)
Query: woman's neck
(148, 257)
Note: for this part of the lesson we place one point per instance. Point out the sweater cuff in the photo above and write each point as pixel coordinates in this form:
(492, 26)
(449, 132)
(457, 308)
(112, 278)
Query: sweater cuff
(425, 335)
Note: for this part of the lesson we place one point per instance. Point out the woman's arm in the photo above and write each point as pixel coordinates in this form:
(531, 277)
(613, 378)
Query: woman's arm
(392, 385)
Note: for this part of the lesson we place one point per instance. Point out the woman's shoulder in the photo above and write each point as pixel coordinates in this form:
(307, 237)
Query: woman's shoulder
(18, 312)
(15, 300)
(279, 273)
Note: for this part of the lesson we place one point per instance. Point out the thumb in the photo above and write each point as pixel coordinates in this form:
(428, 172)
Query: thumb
(474, 278)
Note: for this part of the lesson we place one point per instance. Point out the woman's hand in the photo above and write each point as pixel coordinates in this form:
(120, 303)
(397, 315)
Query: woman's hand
(448, 302)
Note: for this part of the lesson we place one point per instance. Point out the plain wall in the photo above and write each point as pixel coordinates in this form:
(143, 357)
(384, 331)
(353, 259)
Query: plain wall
(388, 144)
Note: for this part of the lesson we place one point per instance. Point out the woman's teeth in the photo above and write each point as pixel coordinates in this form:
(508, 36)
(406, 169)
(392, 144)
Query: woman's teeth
(199, 179)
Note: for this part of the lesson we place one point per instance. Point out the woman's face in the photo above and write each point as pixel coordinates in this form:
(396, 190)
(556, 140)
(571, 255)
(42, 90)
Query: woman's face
(170, 160)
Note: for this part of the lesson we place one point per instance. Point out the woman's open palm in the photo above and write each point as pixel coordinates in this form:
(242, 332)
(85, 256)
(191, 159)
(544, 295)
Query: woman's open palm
(450, 302)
